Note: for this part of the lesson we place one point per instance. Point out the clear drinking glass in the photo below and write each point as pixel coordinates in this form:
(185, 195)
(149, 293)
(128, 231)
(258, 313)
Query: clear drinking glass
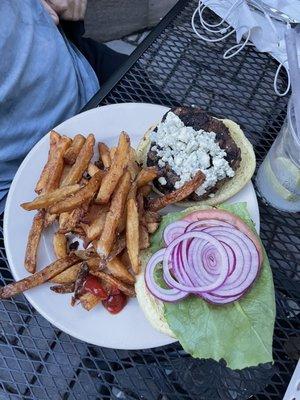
(278, 177)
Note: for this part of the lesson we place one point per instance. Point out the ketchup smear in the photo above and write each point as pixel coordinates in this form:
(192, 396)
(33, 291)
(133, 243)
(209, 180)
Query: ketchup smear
(114, 300)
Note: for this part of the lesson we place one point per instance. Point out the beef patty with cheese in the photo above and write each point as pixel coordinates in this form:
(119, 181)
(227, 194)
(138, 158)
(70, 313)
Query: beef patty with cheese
(188, 140)
(200, 122)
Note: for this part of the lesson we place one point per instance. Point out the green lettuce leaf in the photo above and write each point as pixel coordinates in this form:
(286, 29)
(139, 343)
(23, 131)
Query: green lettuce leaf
(241, 333)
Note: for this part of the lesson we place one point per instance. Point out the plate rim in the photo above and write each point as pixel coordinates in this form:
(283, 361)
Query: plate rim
(9, 201)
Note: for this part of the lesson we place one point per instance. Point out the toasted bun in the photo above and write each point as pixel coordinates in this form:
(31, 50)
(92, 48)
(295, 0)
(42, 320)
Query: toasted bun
(152, 307)
(232, 186)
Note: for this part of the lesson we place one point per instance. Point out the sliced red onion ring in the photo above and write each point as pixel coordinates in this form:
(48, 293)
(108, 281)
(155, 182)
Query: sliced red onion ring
(174, 230)
(153, 287)
(205, 288)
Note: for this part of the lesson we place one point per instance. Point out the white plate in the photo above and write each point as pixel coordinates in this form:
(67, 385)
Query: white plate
(129, 329)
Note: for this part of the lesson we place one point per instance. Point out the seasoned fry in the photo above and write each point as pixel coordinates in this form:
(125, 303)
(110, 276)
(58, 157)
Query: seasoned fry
(74, 149)
(133, 167)
(146, 176)
(144, 240)
(80, 279)
(126, 289)
(48, 199)
(125, 259)
(82, 196)
(177, 195)
(70, 274)
(70, 221)
(145, 190)
(92, 169)
(54, 139)
(38, 278)
(56, 165)
(152, 226)
(33, 241)
(152, 216)
(94, 230)
(112, 152)
(89, 301)
(109, 232)
(116, 170)
(104, 155)
(132, 234)
(118, 270)
(86, 254)
(118, 247)
(122, 222)
(81, 163)
(60, 245)
(62, 289)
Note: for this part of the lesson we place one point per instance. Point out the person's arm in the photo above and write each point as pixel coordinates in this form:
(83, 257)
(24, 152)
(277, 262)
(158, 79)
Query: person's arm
(70, 10)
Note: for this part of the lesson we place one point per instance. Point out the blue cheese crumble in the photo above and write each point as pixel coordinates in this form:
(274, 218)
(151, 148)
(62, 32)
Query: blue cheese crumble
(188, 151)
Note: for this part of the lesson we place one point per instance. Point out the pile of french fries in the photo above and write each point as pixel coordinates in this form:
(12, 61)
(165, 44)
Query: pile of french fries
(103, 203)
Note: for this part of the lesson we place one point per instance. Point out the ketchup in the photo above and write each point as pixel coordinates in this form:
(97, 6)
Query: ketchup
(115, 302)
(92, 285)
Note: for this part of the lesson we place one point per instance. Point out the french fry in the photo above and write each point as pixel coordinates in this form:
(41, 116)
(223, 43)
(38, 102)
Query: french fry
(94, 211)
(82, 196)
(62, 289)
(145, 190)
(71, 221)
(92, 169)
(81, 163)
(94, 230)
(125, 259)
(118, 270)
(177, 195)
(89, 301)
(60, 245)
(144, 240)
(152, 226)
(38, 278)
(70, 274)
(104, 155)
(54, 139)
(48, 199)
(33, 241)
(145, 176)
(79, 282)
(113, 216)
(56, 165)
(86, 254)
(132, 234)
(116, 170)
(125, 288)
(152, 216)
(118, 247)
(133, 167)
(73, 151)
(122, 222)
(112, 152)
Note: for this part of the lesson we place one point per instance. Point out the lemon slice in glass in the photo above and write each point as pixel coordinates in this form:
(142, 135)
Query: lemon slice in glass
(278, 187)
(292, 170)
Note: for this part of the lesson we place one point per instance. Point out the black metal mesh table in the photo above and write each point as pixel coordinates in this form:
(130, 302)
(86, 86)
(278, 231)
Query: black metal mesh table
(37, 361)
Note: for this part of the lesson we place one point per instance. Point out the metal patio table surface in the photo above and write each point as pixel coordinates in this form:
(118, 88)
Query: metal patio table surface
(171, 67)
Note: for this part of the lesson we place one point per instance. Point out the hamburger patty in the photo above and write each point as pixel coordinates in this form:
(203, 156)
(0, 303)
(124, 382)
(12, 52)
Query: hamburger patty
(197, 119)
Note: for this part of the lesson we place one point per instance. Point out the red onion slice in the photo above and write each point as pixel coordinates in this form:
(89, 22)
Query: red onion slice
(174, 230)
(205, 288)
(153, 287)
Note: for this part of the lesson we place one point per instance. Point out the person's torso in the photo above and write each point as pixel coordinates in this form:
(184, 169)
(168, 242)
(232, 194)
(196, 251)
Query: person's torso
(43, 80)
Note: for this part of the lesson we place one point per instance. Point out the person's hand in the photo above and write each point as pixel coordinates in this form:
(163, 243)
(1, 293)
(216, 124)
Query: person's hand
(51, 11)
(72, 10)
